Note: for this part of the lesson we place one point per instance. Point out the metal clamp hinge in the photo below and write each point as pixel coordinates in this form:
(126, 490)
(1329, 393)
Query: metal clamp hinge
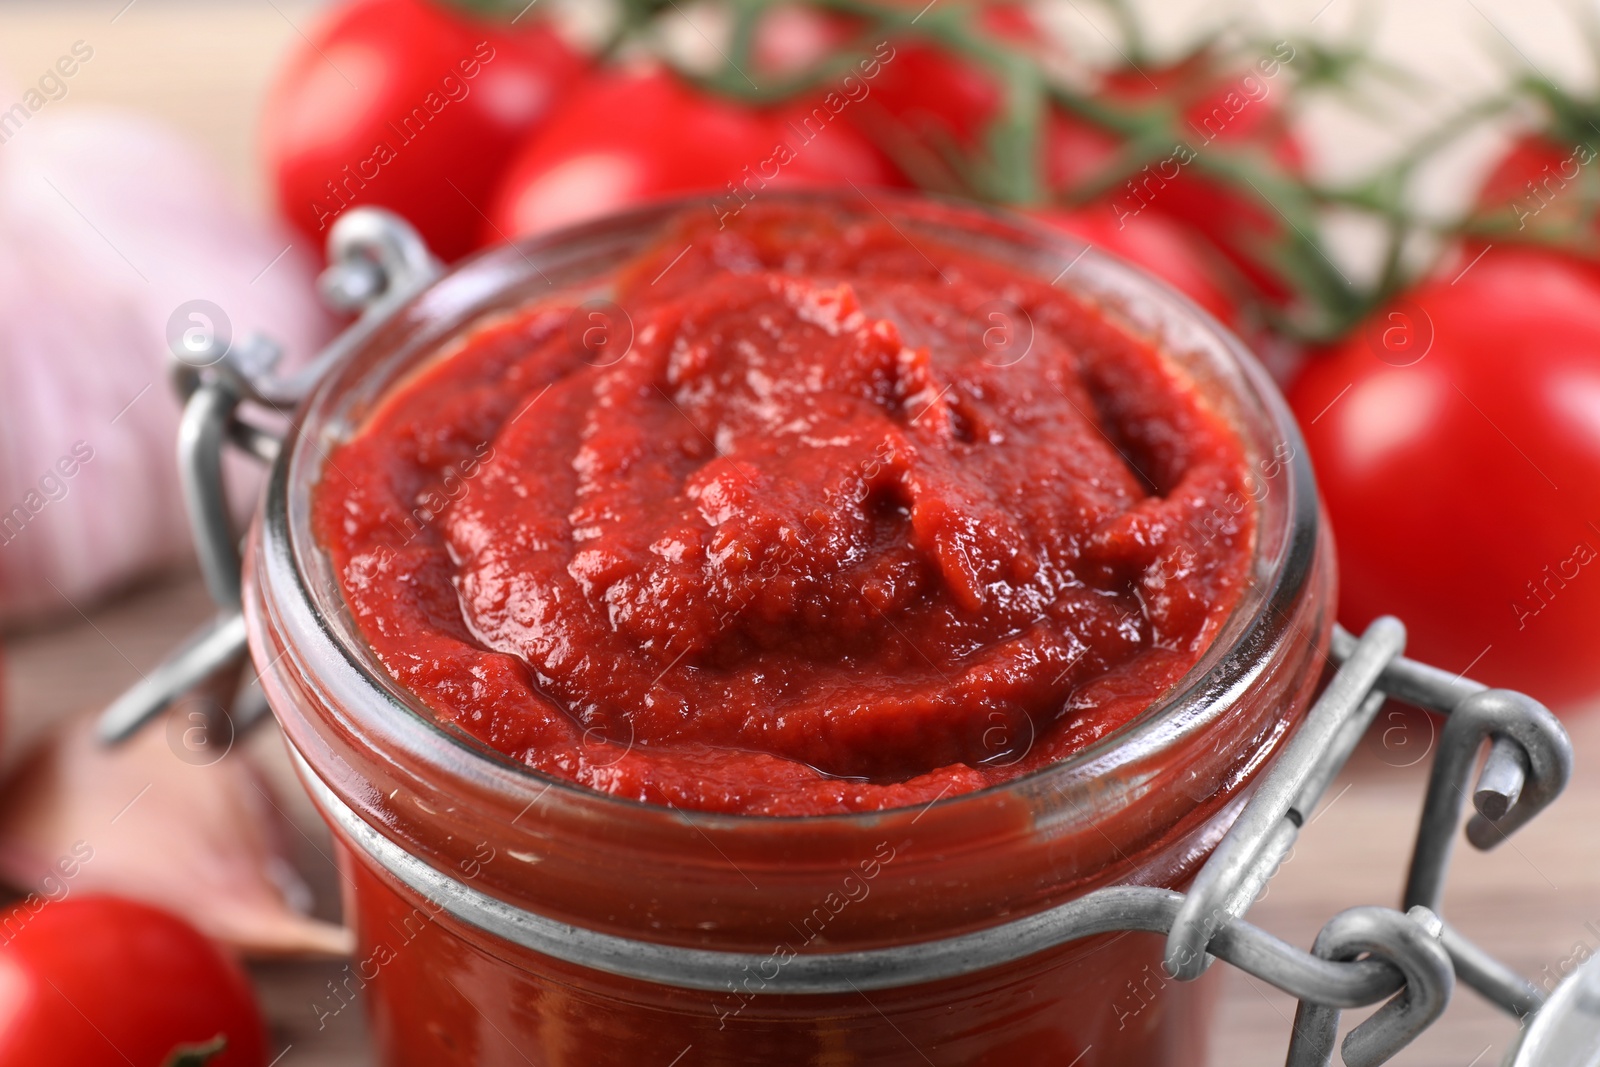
(233, 397)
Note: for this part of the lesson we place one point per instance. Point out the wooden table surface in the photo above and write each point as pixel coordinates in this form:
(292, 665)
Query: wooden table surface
(1535, 901)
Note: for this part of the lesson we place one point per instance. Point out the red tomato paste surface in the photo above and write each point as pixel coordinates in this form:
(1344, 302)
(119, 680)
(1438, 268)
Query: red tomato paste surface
(795, 534)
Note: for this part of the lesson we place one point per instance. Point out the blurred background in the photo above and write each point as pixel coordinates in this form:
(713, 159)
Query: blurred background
(1425, 195)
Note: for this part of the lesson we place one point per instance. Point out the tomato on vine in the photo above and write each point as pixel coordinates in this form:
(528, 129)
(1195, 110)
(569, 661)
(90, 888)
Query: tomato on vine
(627, 137)
(1213, 105)
(1542, 184)
(1163, 247)
(1456, 440)
(950, 119)
(411, 105)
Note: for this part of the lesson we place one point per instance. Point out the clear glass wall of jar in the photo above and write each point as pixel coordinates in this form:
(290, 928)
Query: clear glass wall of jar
(1144, 806)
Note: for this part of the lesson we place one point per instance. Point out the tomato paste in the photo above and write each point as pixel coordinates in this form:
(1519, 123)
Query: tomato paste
(799, 516)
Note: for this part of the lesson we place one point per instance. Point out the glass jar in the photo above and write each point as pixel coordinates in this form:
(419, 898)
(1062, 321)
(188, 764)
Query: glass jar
(430, 822)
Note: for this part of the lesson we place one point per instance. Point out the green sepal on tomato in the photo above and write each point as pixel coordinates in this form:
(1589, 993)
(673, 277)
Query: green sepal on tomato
(1456, 440)
(103, 980)
(411, 105)
(200, 1055)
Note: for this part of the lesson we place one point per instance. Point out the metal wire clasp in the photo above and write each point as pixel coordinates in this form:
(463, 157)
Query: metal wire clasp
(1528, 764)
(377, 262)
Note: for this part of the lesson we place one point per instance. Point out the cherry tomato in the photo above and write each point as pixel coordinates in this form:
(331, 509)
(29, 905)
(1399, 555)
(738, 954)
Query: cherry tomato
(930, 106)
(1457, 444)
(1161, 246)
(628, 137)
(412, 106)
(942, 100)
(101, 980)
(1237, 111)
(1539, 185)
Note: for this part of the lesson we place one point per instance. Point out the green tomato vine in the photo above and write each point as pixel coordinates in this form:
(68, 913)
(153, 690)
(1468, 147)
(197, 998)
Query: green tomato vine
(1006, 165)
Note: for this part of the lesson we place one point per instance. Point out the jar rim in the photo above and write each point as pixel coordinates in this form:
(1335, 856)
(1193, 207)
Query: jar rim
(298, 589)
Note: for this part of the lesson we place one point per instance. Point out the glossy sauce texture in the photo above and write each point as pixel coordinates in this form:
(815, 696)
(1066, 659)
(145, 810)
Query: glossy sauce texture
(800, 533)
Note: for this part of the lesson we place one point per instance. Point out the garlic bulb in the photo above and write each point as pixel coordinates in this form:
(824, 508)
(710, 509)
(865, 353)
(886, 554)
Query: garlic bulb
(109, 224)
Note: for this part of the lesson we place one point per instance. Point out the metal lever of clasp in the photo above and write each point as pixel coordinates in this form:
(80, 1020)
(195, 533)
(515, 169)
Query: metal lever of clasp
(1252, 849)
(1529, 762)
(377, 263)
(1411, 942)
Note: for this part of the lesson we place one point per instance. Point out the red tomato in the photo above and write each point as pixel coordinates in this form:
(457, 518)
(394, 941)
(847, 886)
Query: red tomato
(1536, 185)
(928, 103)
(412, 106)
(1161, 246)
(1241, 111)
(100, 980)
(940, 99)
(1464, 487)
(628, 137)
